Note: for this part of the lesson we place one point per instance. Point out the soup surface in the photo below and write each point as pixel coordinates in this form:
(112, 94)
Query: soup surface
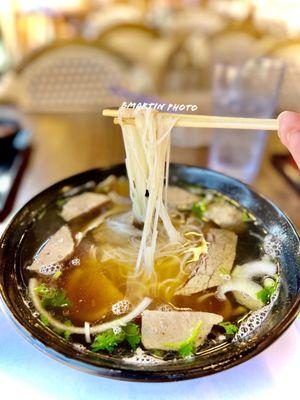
(84, 283)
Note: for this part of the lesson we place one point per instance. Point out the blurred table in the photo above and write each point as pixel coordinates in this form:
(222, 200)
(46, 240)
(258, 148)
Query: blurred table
(66, 144)
(27, 374)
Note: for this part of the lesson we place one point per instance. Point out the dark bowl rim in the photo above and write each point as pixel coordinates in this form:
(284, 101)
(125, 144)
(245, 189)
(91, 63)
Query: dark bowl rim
(121, 372)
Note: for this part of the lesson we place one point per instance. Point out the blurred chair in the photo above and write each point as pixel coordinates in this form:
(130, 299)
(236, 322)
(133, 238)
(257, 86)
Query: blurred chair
(289, 52)
(142, 46)
(236, 43)
(192, 19)
(129, 40)
(110, 16)
(67, 76)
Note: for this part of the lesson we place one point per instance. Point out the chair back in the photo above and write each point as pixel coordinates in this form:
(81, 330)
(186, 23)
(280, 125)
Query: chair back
(72, 77)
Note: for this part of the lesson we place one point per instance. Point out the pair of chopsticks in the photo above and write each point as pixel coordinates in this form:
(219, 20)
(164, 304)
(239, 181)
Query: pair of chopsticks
(208, 121)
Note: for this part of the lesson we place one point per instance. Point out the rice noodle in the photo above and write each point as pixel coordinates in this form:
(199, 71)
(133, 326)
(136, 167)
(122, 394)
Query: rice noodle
(147, 147)
(128, 254)
(33, 283)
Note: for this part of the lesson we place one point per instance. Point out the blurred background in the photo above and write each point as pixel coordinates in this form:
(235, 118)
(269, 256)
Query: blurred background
(62, 61)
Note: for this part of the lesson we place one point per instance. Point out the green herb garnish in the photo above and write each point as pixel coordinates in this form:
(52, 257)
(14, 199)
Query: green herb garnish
(188, 346)
(110, 339)
(61, 202)
(44, 320)
(199, 209)
(67, 333)
(223, 271)
(52, 297)
(41, 214)
(246, 216)
(133, 335)
(230, 329)
(265, 294)
(57, 275)
(157, 353)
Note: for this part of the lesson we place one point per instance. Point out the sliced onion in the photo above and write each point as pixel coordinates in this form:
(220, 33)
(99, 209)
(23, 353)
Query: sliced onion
(122, 224)
(252, 303)
(33, 283)
(87, 334)
(254, 268)
(244, 290)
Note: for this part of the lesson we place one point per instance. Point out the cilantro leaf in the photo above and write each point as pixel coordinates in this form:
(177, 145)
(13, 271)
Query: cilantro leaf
(52, 297)
(230, 329)
(108, 340)
(199, 208)
(133, 335)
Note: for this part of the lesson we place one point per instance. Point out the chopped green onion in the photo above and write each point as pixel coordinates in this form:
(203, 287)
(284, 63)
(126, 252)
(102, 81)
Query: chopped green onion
(266, 293)
(246, 216)
(188, 346)
(44, 320)
(230, 329)
(199, 209)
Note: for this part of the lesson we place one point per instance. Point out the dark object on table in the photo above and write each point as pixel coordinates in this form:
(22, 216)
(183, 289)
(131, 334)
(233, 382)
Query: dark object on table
(27, 230)
(8, 131)
(286, 165)
(14, 151)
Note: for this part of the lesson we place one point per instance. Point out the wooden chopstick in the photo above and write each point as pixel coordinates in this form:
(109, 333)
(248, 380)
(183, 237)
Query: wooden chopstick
(209, 121)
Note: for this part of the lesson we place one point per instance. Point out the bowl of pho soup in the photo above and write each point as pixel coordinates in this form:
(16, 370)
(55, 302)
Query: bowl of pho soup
(148, 270)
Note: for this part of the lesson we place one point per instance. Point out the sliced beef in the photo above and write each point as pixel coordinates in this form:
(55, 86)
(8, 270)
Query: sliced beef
(165, 330)
(178, 196)
(226, 215)
(58, 247)
(210, 269)
(82, 204)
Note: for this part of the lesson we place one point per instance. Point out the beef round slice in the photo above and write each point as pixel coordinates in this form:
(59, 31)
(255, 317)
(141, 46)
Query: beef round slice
(209, 271)
(166, 330)
(178, 196)
(58, 247)
(226, 215)
(82, 204)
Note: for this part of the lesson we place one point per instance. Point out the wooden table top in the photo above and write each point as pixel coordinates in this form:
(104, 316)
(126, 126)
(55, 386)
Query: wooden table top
(67, 144)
